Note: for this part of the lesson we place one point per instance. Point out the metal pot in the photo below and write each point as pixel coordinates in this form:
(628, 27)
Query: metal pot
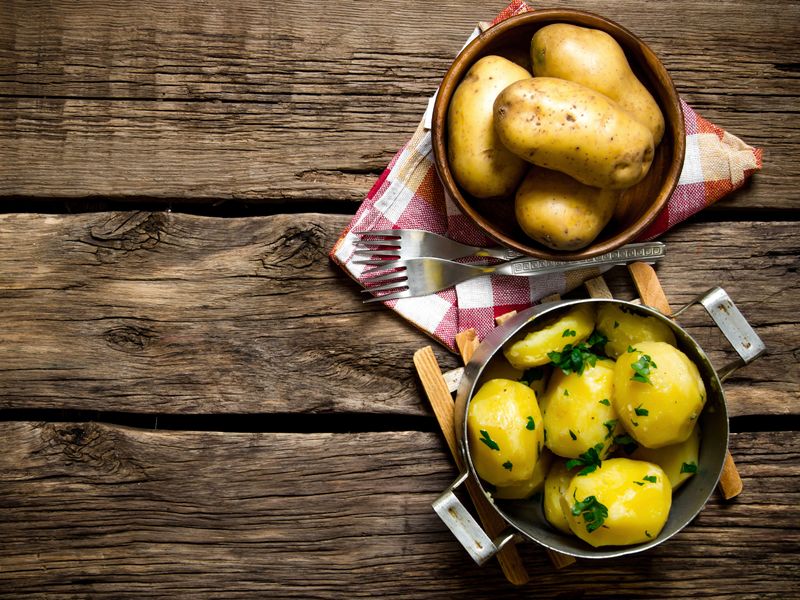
(525, 517)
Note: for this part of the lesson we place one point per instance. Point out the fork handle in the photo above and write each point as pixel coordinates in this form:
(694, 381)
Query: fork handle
(647, 252)
(500, 252)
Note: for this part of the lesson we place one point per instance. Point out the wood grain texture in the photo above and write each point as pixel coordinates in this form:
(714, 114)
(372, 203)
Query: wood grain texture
(258, 102)
(95, 510)
(168, 313)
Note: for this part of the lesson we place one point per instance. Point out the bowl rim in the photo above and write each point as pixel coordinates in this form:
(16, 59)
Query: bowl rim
(467, 57)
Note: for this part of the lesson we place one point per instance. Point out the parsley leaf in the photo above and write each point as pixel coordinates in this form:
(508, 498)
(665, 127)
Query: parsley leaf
(531, 425)
(642, 369)
(486, 439)
(631, 349)
(569, 333)
(641, 412)
(650, 478)
(616, 324)
(594, 513)
(531, 375)
(589, 460)
(566, 392)
(610, 425)
(572, 435)
(628, 444)
(507, 465)
(605, 401)
(689, 467)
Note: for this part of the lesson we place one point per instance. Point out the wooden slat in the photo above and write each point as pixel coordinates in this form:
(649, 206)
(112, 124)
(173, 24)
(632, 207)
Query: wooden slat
(103, 511)
(162, 312)
(196, 101)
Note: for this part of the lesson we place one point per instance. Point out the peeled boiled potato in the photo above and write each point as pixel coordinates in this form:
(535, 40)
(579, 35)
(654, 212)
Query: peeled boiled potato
(559, 211)
(625, 329)
(555, 485)
(679, 461)
(565, 126)
(505, 432)
(578, 413)
(593, 58)
(480, 163)
(658, 394)
(623, 502)
(574, 326)
(529, 487)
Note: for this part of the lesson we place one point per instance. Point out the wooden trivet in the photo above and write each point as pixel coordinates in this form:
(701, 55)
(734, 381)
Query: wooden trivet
(436, 389)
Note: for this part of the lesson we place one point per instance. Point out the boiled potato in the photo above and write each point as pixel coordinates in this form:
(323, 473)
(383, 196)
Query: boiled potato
(480, 163)
(578, 412)
(623, 502)
(565, 126)
(572, 327)
(500, 368)
(505, 432)
(555, 485)
(658, 394)
(560, 212)
(679, 461)
(624, 329)
(529, 487)
(593, 58)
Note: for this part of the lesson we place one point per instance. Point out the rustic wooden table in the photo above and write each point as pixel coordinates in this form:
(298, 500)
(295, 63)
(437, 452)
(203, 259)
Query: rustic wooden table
(194, 401)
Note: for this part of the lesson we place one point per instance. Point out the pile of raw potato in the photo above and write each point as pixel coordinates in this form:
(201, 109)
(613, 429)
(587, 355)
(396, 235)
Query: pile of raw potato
(597, 408)
(565, 142)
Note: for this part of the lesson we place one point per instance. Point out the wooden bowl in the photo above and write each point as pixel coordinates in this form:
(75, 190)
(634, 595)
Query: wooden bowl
(639, 204)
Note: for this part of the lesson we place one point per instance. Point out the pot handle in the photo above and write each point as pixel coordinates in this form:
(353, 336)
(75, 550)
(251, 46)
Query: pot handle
(733, 325)
(464, 526)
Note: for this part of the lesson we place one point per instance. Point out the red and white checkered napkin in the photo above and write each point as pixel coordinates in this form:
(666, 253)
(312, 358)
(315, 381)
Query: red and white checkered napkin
(409, 195)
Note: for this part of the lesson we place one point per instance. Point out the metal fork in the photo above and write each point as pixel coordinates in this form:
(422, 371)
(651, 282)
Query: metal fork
(422, 276)
(411, 243)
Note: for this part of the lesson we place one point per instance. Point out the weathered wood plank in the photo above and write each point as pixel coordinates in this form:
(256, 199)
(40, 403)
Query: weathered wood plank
(170, 313)
(91, 509)
(258, 102)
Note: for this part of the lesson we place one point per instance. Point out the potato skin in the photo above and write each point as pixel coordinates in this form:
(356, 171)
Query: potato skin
(480, 163)
(593, 58)
(508, 413)
(565, 126)
(665, 410)
(560, 212)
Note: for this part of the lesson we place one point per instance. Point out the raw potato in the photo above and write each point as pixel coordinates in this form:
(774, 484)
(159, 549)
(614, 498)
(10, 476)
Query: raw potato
(560, 212)
(593, 58)
(673, 458)
(664, 410)
(625, 329)
(531, 351)
(529, 487)
(578, 413)
(636, 494)
(562, 125)
(505, 432)
(480, 163)
(555, 485)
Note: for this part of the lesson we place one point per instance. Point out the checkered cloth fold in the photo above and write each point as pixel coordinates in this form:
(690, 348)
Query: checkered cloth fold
(409, 194)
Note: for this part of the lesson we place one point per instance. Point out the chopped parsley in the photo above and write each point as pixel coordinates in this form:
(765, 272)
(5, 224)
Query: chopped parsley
(642, 368)
(486, 439)
(648, 534)
(628, 444)
(589, 460)
(650, 478)
(531, 375)
(616, 324)
(594, 513)
(566, 392)
(611, 426)
(689, 467)
(639, 482)
(574, 358)
(605, 401)
(569, 333)
(631, 349)
(531, 425)
(641, 412)
(507, 465)
(572, 435)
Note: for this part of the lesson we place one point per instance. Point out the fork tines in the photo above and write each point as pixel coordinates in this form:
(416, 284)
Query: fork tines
(391, 274)
(388, 247)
